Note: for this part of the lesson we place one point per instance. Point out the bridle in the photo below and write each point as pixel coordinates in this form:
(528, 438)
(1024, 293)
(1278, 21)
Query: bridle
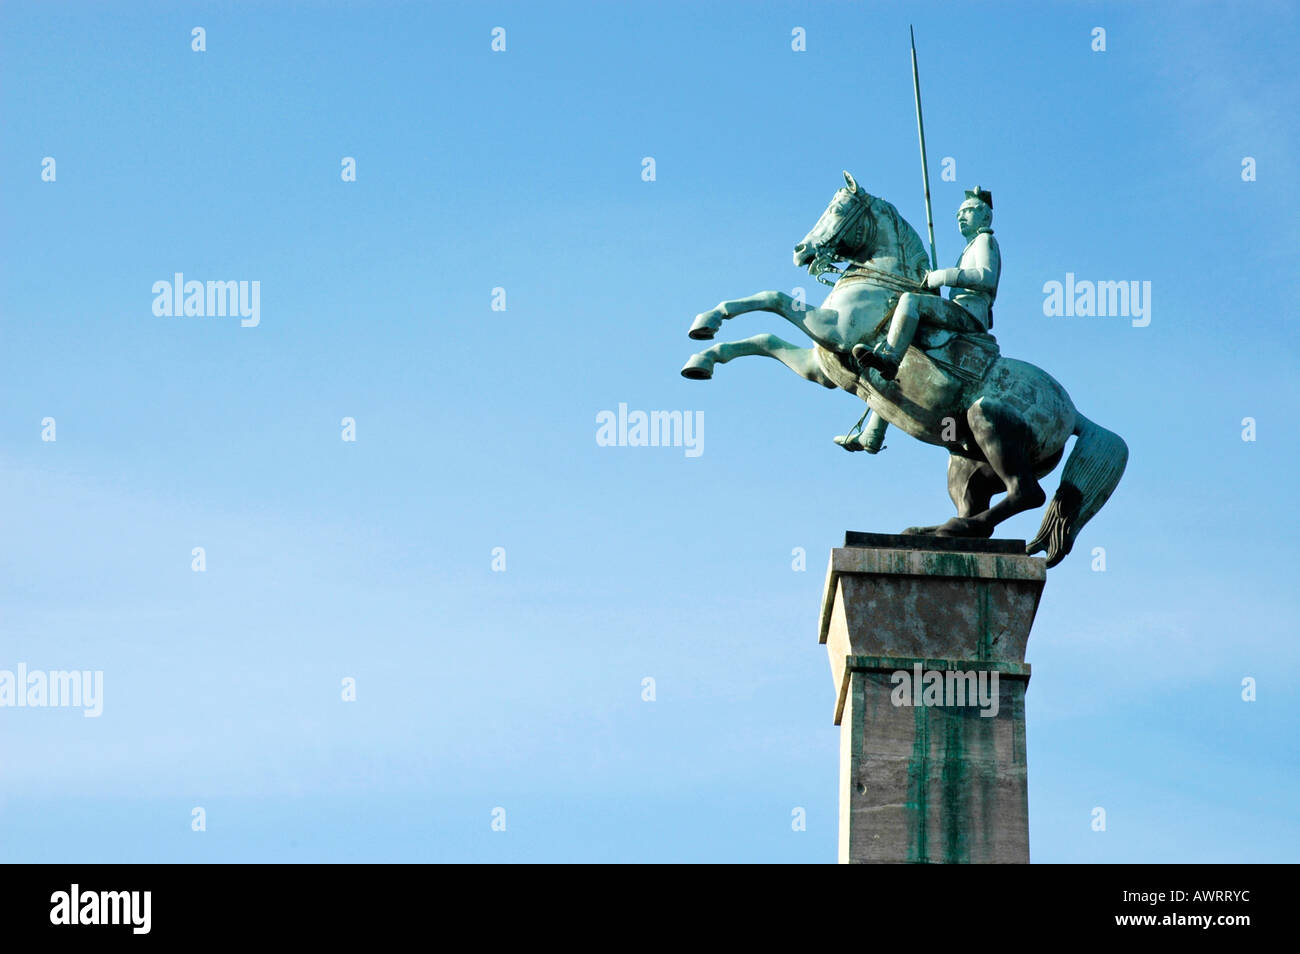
(824, 258)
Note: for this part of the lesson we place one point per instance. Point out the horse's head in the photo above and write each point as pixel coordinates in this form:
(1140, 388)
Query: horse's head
(845, 231)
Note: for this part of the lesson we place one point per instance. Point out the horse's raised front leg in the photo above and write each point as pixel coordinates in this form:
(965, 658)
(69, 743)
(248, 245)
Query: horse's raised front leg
(802, 361)
(820, 324)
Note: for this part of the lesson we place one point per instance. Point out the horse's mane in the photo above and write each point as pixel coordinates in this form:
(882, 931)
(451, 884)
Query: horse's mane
(912, 256)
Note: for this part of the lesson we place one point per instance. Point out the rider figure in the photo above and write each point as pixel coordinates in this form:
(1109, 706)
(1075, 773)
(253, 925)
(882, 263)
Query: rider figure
(974, 282)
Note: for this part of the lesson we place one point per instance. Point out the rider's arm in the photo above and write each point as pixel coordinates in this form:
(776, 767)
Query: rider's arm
(979, 266)
(979, 270)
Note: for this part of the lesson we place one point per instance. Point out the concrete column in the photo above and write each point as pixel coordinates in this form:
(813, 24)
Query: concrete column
(912, 624)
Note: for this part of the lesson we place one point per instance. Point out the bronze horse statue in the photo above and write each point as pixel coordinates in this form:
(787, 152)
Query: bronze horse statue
(1004, 422)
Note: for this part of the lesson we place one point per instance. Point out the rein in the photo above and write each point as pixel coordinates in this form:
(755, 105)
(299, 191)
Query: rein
(891, 280)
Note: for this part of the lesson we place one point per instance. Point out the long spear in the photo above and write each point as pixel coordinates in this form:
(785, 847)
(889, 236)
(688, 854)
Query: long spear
(925, 167)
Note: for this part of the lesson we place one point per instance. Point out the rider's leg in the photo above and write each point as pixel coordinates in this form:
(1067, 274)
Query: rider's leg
(912, 310)
(870, 439)
(888, 355)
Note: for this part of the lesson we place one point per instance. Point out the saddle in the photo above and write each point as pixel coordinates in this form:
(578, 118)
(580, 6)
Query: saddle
(966, 354)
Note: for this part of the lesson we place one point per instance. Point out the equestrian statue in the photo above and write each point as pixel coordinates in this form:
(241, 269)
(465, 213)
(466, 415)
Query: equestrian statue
(930, 366)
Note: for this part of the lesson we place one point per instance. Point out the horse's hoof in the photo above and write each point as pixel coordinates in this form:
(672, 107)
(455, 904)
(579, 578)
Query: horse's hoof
(964, 527)
(698, 368)
(705, 326)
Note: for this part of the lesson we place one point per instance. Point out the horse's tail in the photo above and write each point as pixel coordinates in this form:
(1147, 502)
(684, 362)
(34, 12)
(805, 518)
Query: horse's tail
(1092, 471)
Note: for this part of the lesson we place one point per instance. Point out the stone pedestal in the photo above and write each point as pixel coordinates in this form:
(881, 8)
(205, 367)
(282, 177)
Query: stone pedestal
(933, 782)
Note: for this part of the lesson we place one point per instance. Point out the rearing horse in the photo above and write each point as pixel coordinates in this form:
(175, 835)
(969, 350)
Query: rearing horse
(1004, 422)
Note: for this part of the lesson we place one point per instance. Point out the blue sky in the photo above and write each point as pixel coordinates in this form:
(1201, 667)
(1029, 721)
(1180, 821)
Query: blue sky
(476, 428)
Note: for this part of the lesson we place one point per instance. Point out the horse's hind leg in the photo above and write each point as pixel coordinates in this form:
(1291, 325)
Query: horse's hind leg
(971, 485)
(802, 361)
(1005, 440)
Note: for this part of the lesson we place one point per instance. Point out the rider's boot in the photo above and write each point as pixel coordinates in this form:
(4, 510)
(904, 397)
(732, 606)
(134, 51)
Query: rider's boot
(882, 357)
(886, 356)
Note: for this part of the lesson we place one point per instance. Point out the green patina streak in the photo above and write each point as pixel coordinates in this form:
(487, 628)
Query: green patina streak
(982, 597)
(918, 778)
(956, 827)
(950, 564)
(989, 807)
